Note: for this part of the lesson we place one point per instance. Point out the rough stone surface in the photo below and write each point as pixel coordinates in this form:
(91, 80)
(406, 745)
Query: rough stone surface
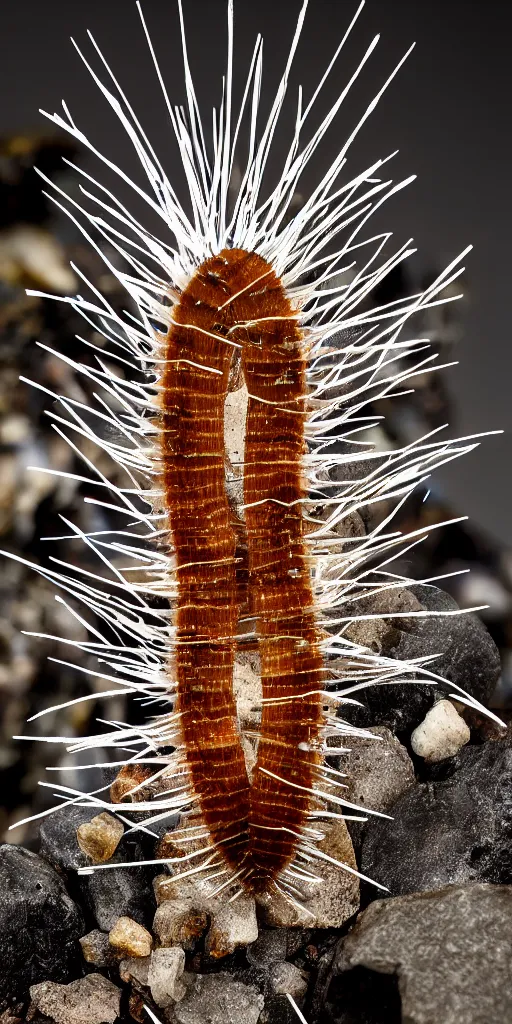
(378, 772)
(455, 831)
(100, 837)
(166, 968)
(58, 837)
(441, 734)
(91, 1000)
(96, 948)
(108, 894)
(129, 938)
(327, 904)
(233, 925)
(119, 892)
(39, 925)
(451, 950)
(135, 969)
(217, 999)
(179, 923)
(286, 979)
(467, 653)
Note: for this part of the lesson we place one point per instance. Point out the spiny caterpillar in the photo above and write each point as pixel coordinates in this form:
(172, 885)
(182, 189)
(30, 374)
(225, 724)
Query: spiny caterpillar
(242, 296)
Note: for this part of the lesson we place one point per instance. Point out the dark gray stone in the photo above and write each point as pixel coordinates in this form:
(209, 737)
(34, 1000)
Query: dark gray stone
(458, 830)
(450, 949)
(58, 840)
(216, 999)
(467, 654)
(39, 925)
(108, 893)
(120, 892)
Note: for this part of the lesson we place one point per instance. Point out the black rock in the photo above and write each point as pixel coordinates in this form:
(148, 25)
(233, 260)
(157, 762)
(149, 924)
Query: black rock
(458, 830)
(449, 951)
(107, 893)
(39, 925)
(467, 653)
(58, 840)
(110, 893)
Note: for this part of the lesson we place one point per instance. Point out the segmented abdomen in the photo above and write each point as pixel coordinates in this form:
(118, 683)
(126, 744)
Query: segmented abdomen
(235, 299)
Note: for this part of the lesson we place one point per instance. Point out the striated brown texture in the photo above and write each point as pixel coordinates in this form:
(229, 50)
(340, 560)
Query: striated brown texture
(235, 297)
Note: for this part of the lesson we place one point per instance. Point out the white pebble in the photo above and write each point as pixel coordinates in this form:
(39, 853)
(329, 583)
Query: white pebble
(441, 734)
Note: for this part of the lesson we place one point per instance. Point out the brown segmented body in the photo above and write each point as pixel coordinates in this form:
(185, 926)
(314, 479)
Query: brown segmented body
(237, 296)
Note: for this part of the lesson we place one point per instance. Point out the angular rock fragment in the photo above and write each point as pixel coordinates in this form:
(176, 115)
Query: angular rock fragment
(100, 837)
(90, 1000)
(441, 734)
(166, 968)
(449, 832)
(451, 950)
(130, 939)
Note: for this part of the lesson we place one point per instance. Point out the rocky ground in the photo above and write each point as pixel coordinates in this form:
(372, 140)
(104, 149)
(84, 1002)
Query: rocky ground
(98, 948)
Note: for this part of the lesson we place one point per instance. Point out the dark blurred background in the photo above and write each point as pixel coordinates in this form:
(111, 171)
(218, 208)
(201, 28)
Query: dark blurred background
(447, 113)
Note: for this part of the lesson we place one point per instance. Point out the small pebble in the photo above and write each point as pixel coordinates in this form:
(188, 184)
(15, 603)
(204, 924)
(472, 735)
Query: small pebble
(96, 948)
(441, 734)
(286, 979)
(166, 968)
(130, 938)
(100, 837)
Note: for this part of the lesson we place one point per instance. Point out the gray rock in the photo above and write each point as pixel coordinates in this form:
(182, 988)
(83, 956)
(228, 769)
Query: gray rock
(271, 947)
(467, 653)
(450, 949)
(455, 831)
(90, 1000)
(217, 999)
(166, 968)
(39, 925)
(121, 892)
(378, 772)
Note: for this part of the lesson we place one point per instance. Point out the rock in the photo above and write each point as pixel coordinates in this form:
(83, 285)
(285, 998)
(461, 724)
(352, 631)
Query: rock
(130, 938)
(455, 831)
(135, 969)
(450, 949)
(96, 948)
(108, 894)
(377, 772)
(467, 653)
(121, 892)
(91, 1000)
(58, 837)
(326, 904)
(271, 947)
(39, 925)
(217, 999)
(441, 734)
(166, 968)
(100, 837)
(233, 925)
(178, 923)
(286, 979)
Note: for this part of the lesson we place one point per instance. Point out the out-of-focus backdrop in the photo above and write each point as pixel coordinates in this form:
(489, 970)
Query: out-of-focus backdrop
(447, 113)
